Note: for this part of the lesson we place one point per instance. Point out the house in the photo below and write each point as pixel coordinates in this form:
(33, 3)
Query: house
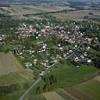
(28, 64)
(89, 61)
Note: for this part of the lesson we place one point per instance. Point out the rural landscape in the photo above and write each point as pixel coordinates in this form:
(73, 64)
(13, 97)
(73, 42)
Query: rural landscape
(49, 50)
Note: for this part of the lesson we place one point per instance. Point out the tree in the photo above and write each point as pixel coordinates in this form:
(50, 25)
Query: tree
(97, 62)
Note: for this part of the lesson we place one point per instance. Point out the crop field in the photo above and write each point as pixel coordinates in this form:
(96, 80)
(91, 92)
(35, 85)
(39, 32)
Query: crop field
(8, 64)
(22, 80)
(36, 97)
(73, 83)
(12, 73)
(69, 75)
(92, 89)
(53, 96)
(76, 15)
(20, 10)
(86, 91)
(16, 77)
(66, 95)
(97, 78)
(89, 90)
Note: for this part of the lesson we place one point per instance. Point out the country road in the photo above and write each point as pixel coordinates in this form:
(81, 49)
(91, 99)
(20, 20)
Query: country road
(34, 84)
(39, 79)
(25, 94)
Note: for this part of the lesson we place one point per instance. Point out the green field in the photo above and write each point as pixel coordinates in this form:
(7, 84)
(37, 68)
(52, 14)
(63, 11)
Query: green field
(90, 88)
(8, 64)
(18, 11)
(69, 75)
(76, 15)
(16, 77)
(13, 75)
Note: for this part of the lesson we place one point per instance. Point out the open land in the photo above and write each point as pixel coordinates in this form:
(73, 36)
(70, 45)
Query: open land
(76, 15)
(8, 64)
(12, 73)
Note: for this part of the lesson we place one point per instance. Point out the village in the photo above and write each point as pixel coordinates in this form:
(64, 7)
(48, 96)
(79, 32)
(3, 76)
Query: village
(49, 51)
(41, 45)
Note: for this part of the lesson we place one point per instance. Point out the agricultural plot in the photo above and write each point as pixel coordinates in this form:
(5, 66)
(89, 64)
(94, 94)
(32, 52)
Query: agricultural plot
(8, 64)
(91, 88)
(11, 71)
(20, 10)
(69, 78)
(21, 79)
(60, 94)
(16, 77)
(53, 96)
(55, 8)
(65, 95)
(86, 91)
(13, 74)
(69, 75)
(36, 97)
(76, 15)
(97, 78)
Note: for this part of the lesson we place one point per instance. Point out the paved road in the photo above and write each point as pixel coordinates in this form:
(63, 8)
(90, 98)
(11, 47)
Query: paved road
(25, 94)
(39, 79)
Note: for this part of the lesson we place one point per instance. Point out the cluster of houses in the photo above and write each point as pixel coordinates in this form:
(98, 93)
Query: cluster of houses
(65, 43)
(24, 30)
(2, 37)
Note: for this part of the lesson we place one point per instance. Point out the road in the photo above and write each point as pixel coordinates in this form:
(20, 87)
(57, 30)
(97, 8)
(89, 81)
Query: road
(39, 79)
(25, 94)
(33, 85)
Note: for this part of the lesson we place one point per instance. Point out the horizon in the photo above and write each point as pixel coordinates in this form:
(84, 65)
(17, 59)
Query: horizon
(26, 1)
